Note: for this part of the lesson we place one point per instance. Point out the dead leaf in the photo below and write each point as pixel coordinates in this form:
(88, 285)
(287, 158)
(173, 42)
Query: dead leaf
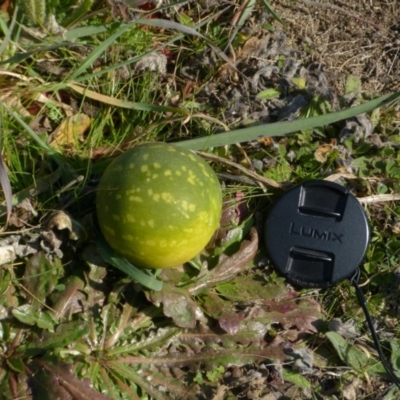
(346, 329)
(22, 212)
(71, 300)
(7, 254)
(253, 47)
(70, 131)
(323, 152)
(303, 360)
(156, 62)
(63, 221)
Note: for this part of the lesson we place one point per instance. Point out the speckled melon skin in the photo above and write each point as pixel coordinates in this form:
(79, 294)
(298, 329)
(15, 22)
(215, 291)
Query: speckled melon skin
(158, 205)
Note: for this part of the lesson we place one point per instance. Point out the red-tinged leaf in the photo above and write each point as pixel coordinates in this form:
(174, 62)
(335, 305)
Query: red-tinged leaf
(229, 320)
(254, 289)
(210, 357)
(177, 304)
(58, 382)
(230, 323)
(229, 266)
(304, 314)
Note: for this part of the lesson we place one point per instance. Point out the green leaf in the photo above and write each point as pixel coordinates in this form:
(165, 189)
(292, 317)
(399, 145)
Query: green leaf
(161, 339)
(64, 335)
(29, 315)
(354, 357)
(297, 379)
(111, 257)
(395, 356)
(177, 304)
(41, 275)
(283, 128)
(268, 94)
(16, 364)
(353, 84)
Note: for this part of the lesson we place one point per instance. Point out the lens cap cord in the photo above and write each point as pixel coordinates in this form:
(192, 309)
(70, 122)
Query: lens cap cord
(363, 303)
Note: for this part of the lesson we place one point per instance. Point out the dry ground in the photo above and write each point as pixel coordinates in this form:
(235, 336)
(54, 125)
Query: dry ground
(357, 37)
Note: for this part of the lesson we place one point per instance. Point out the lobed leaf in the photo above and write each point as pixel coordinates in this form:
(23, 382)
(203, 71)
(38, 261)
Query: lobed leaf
(177, 304)
(229, 266)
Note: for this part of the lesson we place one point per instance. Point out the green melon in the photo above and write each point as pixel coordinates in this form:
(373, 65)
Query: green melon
(158, 205)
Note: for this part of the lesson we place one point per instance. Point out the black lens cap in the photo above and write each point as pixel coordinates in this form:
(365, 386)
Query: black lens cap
(316, 234)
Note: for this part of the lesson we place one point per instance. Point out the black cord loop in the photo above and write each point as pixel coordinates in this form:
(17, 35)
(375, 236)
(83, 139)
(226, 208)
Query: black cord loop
(363, 303)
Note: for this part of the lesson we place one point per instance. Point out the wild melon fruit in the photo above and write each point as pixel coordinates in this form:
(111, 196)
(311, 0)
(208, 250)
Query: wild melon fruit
(158, 205)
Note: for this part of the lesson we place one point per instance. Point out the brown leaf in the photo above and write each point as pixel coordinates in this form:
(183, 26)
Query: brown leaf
(70, 300)
(61, 220)
(70, 131)
(323, 152)
(22, 212)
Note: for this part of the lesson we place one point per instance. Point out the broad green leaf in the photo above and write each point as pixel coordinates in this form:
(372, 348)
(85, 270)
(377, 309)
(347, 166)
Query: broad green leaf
(354, 357)
(30, 315)
(395, 356)
(41, 275)
(392, 394)
(283, 128)
(177, 304)
(65, 334)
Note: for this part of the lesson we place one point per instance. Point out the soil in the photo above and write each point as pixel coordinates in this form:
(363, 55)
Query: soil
(353, 37)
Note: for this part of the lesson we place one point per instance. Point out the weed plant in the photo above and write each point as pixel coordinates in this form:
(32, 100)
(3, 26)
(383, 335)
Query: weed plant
(83, 80)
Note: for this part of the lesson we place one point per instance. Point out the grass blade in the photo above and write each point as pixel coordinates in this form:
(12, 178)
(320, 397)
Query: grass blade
(246, 12)
(18, 58)
(124, 104)
(30, 131)
(8, 31)
(283, 128)
(272, 12)
(162, 23)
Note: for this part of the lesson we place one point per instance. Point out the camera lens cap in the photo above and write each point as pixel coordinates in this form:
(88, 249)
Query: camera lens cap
(316, 234)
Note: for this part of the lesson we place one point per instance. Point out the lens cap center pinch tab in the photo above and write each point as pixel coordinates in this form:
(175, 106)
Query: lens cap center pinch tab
(317, 234)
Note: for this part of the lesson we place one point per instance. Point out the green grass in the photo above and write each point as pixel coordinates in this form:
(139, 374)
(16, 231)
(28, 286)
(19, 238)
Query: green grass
(71, 322)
